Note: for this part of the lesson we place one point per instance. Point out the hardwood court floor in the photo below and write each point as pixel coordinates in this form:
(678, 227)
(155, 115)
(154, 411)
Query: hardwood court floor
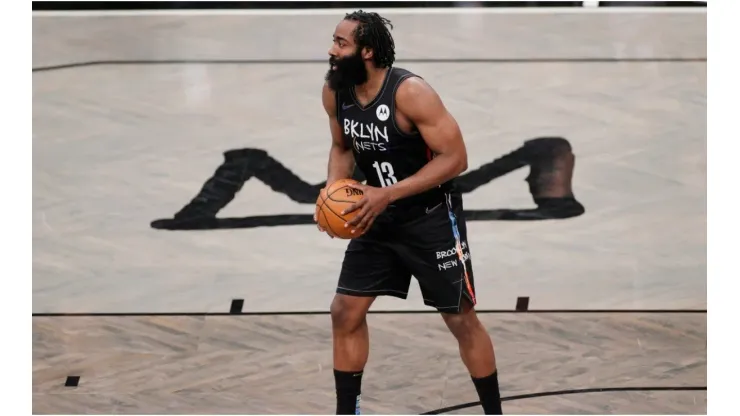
(139, 140)
(282, 363)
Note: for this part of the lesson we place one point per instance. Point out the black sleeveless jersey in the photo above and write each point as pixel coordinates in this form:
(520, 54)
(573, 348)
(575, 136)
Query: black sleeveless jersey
(384, 153)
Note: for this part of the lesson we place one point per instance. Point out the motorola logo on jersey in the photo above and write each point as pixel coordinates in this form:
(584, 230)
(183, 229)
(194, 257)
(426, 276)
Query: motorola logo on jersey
(383, 112)
(367, 136)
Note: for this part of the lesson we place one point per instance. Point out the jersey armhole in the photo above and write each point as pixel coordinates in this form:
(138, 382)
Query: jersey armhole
(336, 103)
(393, 105)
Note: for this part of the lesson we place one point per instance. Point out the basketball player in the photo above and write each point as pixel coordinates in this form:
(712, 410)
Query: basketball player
(393, 125)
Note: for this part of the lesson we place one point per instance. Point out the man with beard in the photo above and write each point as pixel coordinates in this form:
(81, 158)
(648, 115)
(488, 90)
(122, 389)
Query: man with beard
(393, 125)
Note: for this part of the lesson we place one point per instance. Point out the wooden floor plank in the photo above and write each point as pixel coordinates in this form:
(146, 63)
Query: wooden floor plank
(282, 364)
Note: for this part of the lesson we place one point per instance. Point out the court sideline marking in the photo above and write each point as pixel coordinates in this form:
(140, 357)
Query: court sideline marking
(323, 61)
(378, 312)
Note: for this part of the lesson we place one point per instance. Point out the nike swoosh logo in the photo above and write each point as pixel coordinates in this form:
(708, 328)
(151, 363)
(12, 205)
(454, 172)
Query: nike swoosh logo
(345, 106)
(434, 207)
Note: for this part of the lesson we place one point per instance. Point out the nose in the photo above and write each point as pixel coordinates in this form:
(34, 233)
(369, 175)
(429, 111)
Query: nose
(332, 50)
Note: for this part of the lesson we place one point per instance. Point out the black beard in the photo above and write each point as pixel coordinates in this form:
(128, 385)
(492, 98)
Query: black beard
(350, 71)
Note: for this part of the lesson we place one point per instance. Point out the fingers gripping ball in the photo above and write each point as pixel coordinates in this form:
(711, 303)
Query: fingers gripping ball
(332, 201)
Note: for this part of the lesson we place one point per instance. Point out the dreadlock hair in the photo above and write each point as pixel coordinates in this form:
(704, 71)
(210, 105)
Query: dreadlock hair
(373, 32)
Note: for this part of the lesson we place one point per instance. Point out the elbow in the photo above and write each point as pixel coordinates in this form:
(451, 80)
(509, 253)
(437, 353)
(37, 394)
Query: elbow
(456, 164)
(462, 164)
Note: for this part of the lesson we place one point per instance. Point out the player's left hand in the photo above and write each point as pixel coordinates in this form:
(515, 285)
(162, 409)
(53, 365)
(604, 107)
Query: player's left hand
(373, 203)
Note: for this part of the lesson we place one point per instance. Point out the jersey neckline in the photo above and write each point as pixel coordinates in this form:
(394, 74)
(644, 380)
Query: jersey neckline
(377, 97)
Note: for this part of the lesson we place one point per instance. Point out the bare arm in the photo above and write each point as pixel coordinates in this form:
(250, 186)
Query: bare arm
(341, 159)
(420, 103)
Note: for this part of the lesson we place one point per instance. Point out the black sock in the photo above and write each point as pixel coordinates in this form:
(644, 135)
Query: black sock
(489, 394)
(348, 392)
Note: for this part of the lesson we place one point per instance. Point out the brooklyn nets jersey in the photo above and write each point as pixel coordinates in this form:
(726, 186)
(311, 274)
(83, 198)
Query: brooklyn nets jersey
(384, 153)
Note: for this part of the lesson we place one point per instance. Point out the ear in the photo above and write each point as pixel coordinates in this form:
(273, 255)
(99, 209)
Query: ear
(367, 53)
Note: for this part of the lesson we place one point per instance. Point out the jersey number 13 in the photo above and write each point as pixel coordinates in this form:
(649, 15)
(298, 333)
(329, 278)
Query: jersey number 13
(385, 173)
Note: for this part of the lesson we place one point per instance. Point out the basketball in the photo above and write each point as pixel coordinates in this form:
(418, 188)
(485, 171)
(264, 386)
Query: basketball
(332, 201)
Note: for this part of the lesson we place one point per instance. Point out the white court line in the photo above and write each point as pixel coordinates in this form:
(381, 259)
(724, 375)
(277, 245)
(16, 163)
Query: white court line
(341, 12)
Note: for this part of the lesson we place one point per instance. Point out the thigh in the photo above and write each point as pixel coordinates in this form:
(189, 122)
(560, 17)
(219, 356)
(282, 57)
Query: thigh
(372, 268)
(436, 251)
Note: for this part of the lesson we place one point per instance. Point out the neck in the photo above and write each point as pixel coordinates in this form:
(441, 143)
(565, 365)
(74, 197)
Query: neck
(374, 82)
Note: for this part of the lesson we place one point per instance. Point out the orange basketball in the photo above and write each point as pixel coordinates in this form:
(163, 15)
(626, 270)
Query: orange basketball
(332, 201)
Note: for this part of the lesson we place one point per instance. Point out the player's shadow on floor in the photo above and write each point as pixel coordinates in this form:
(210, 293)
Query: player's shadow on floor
(550, 159)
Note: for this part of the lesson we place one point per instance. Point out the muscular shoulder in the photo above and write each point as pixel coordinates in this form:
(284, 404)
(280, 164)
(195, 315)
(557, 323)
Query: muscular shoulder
(416, 99)
(329, 100)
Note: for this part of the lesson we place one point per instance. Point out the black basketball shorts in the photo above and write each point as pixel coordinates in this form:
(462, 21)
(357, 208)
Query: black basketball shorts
(432, 246)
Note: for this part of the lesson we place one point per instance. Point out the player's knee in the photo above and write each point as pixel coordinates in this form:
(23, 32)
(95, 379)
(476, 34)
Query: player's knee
(464, 325)
(347, 315)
